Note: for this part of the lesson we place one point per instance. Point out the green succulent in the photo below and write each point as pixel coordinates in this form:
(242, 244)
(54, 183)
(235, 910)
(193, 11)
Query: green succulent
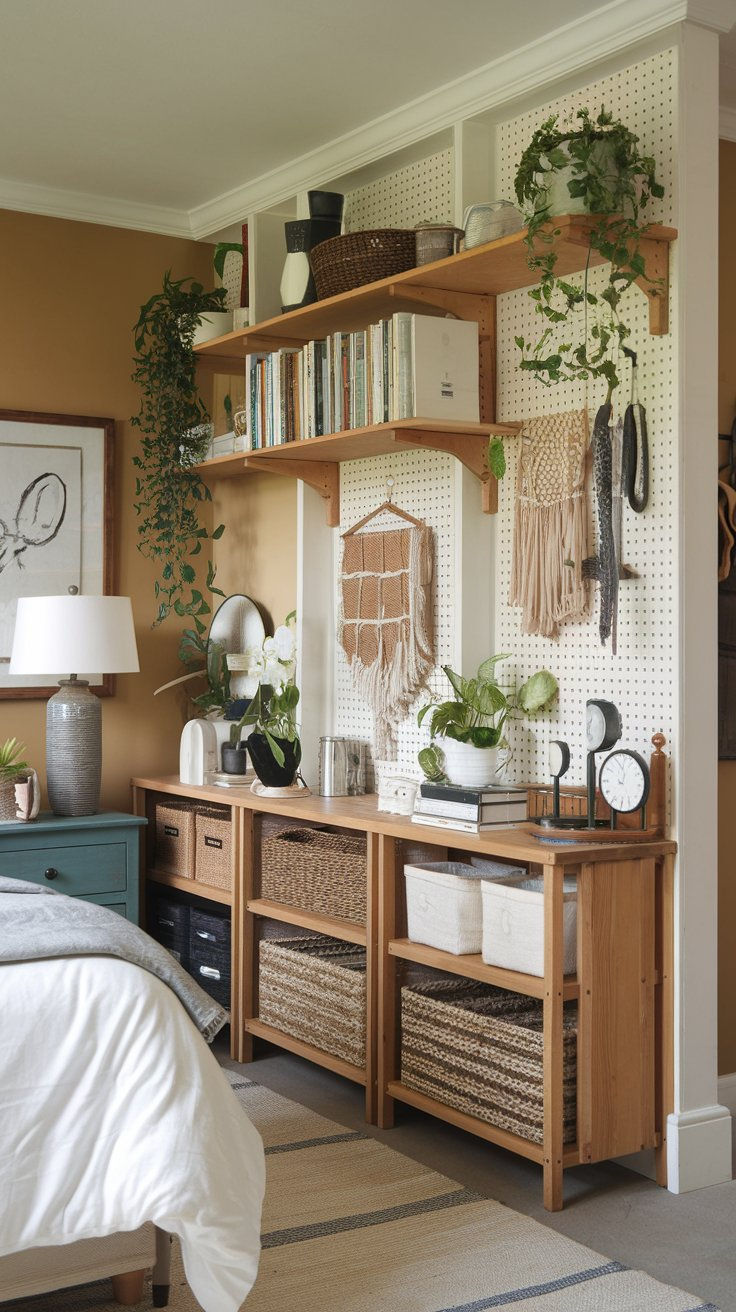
(10, 765)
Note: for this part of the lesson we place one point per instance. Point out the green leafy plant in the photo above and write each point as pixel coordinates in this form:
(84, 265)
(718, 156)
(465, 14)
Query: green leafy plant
(272, 711)
(616, 183)
(479, 710)
(175, 434)
(10, 765)
(209, 658)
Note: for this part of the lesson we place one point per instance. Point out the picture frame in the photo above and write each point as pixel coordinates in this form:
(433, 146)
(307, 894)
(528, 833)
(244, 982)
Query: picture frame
(56, 523)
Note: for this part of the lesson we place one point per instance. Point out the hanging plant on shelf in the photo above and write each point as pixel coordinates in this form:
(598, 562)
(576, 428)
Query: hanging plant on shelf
(588, 166)
(175, 435)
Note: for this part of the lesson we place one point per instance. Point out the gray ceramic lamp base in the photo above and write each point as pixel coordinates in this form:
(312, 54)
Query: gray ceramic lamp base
(73, 749)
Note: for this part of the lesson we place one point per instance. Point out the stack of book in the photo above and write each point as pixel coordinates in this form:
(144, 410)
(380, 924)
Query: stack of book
(408, 366)
(470, 810)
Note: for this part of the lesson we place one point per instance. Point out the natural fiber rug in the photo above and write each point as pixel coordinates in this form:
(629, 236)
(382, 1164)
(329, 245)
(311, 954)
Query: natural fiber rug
(352, 1226)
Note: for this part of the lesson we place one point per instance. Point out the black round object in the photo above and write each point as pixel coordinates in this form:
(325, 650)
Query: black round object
(51, 873)
(270, 773)
(234, 759)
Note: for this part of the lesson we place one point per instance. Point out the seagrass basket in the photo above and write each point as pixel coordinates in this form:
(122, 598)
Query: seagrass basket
(355, 258)
(480, 1050)
(174, 839)
(317, 871)
(315, 989)
(213, 828)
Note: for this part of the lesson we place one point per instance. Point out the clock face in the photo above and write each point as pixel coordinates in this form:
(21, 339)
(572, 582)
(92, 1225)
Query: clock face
(624, 781)
(602, 725)
(558, 756)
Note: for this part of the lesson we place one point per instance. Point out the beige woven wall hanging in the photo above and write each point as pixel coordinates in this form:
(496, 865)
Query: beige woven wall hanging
(551, 523)
(386, 618)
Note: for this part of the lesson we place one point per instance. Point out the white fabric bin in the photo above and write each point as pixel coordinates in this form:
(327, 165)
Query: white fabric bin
(513, 924)
(443, 903)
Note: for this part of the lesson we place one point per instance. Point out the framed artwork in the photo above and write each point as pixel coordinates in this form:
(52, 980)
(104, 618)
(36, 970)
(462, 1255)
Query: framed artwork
(56, 523)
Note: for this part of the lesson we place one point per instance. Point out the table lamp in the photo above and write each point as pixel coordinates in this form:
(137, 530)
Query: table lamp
(87, 635)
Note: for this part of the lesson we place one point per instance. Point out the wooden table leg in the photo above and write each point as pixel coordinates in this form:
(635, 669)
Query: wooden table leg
(371, 982)
(388, 995)
(127, 1289)
(665, 1009)
(553, 1054)
(248, 944)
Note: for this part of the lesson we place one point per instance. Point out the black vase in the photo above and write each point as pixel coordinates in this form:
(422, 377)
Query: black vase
(234, 759)
(267, 767)
(326, 205)
(297, 280)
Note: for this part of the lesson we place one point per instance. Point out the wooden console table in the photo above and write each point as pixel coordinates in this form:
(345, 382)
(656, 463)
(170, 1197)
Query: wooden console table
(623, 985)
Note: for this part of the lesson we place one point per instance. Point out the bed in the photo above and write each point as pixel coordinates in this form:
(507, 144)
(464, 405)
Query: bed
(114, 1119)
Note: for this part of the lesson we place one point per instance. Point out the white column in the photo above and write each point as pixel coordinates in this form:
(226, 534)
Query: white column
(315, 626)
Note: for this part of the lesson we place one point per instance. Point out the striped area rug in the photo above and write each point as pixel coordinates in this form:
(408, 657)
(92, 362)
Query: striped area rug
(350, 1225)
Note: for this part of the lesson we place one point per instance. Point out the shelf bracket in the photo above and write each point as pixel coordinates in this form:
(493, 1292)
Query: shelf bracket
(322, 475)
(655, 283)
(470, 450)
(465, 305)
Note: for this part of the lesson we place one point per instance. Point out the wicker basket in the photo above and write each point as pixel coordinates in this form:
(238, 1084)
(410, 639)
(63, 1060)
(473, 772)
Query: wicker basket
(480, 1050)
(175, 839)
(314, 989)
(342, 263)
(317, 871)
(213, 846)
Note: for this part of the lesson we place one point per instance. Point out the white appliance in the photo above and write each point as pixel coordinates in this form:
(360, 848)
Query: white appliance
(199, 752)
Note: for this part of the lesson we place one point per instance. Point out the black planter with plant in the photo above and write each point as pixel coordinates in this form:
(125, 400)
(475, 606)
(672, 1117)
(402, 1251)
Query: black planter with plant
(175, 434)
(274, 745)
(234, 759)
(270, 772)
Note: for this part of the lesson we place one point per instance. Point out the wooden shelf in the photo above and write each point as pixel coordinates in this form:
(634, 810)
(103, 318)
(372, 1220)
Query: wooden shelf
(472, 966)
(206, 891)
(488, 270)
(482, 1129)
(337, 927)
(320, 1058)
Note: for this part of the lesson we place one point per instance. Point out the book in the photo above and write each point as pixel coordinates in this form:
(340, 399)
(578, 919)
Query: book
(458, 793)
(461, 826)
(480, 813)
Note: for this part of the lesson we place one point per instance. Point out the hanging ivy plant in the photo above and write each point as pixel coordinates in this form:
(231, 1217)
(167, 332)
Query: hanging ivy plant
(600, 162)
(175, 436)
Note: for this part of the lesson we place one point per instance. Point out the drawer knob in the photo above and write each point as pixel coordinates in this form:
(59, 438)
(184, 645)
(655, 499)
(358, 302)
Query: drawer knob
(51, 873)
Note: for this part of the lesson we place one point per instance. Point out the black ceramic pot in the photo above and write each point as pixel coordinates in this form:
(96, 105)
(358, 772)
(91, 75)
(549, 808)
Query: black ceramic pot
(267, 767)
(326, 204)
(297, 282)
(234, 759)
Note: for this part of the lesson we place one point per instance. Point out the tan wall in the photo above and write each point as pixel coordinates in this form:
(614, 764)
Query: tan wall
(69, 295)
(727, 769)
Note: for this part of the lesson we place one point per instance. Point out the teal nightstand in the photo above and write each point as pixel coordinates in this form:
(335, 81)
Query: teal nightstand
(91, 856)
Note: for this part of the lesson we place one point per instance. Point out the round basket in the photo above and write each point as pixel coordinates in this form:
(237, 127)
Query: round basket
(342, 263)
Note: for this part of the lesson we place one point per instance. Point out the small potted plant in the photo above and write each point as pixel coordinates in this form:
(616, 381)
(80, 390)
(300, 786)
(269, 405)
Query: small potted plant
(13, 773)
(273, 743)
(465, 731)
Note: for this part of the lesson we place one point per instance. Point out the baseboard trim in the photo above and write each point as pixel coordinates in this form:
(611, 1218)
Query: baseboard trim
(727, 1091)
(698, 1148)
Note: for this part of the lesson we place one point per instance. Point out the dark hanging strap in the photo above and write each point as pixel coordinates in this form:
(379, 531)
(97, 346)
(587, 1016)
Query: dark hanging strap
(635, 454)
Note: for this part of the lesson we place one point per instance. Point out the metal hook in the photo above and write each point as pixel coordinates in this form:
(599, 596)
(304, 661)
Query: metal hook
(389, 488)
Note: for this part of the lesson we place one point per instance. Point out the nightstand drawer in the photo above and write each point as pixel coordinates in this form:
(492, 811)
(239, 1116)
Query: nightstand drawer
(92, 868)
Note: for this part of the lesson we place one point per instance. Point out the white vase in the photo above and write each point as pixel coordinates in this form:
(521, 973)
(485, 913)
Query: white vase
(215, 323)
(467, 765)
(557, 194)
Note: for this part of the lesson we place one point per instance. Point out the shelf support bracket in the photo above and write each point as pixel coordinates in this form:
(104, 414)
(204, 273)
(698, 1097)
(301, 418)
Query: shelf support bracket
(466, 305)
(471, 451)
(322, 475)
(655, 283)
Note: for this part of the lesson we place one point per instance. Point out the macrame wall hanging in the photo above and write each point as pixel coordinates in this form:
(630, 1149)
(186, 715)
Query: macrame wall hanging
(386, 617)
(551, 523)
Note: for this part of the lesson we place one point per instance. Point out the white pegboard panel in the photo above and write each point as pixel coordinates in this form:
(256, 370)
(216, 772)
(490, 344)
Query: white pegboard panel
(423, 485)
(421, 192)
(641, 678)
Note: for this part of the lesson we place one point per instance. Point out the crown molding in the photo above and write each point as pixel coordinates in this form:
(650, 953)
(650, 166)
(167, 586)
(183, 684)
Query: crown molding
(113, 212)
(727, 123)
(720, 15)
(548, 59)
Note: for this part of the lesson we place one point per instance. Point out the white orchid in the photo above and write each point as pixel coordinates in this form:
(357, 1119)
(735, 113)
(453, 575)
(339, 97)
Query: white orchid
(284, 642)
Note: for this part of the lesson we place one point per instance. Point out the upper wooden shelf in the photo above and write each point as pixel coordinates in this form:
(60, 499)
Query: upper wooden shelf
(488, 270)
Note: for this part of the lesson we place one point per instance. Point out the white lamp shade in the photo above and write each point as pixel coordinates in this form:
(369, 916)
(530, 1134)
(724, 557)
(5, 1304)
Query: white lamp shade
(74, 635)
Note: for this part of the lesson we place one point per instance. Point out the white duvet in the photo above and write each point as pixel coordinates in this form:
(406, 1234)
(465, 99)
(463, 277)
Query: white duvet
(114, 1112)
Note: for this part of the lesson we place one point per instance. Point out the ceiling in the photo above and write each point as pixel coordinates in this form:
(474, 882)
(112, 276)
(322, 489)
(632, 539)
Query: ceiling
(174, 103)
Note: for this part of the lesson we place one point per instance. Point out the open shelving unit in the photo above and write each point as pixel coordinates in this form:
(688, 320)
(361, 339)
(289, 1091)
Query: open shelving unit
(464, 285)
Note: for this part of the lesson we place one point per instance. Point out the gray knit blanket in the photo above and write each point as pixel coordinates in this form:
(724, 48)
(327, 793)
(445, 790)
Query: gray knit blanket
(34, 928)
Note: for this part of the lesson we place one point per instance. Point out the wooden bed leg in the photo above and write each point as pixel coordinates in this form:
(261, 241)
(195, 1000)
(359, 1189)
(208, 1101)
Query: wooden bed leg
(161, 1271)
(128, 1288)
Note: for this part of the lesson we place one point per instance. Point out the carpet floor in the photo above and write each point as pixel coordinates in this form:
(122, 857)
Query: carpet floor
(350, 1225)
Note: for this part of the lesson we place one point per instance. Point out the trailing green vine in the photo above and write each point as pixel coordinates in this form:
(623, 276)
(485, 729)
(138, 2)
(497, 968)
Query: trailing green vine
(616, 183)
(175, 436)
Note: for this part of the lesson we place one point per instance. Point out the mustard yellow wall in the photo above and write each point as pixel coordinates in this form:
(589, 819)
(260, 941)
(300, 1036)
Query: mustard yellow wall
(69, 295)
(727, 769)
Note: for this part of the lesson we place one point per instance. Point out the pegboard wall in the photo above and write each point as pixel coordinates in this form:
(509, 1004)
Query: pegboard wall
(419, 193)
(641, 679)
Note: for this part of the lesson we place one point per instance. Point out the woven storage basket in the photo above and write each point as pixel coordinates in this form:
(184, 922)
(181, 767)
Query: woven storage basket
(480, 1050)
(342, 263)
(214, 838)
(314, 989)
(175, 839)
(317, 871)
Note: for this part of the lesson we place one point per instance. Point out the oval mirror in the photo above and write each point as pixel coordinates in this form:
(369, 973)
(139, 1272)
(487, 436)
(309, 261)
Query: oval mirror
(237, 629)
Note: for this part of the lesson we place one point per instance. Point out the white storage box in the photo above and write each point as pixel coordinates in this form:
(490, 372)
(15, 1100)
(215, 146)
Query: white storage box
(513, 924)
(443, 903)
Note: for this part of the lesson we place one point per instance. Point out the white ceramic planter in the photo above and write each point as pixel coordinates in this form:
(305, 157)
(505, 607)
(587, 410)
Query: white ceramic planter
(558, 196)
(215, 323)
(468, 766)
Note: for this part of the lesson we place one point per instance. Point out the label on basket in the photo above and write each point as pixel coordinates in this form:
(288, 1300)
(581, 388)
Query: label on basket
(171, 830)
(212, 842)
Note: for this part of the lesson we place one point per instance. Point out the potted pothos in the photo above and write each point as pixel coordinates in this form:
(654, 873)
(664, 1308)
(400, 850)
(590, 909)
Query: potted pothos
(273, 743)
(175, 435)
(591, 165)
(466, 730)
